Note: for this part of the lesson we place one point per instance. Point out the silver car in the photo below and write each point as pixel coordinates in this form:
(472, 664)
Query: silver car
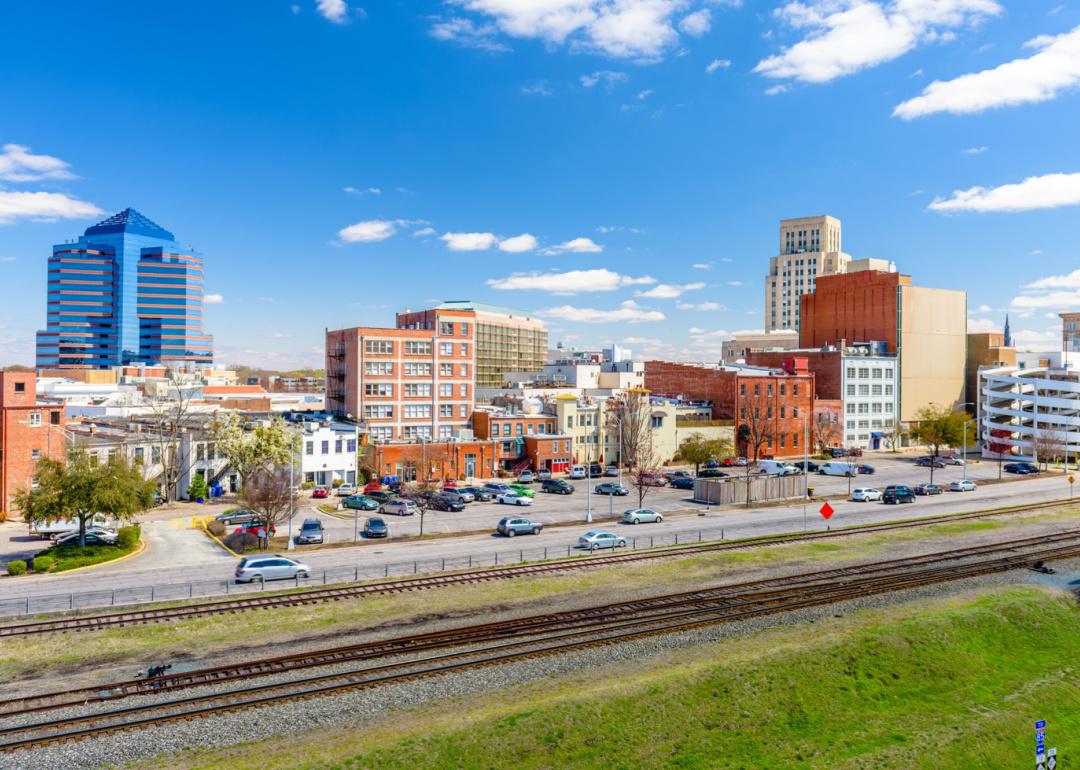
(272, 567)
(399, 507)
(599, 538)
(638, 515)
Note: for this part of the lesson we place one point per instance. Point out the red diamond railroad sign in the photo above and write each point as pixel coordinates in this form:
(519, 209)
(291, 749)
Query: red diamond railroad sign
(826, 510)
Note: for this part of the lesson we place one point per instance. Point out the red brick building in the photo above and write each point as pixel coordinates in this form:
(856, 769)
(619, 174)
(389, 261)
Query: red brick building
(852, 306)
(29, 430)
(506, 425)
(774, 404)
(825, 364)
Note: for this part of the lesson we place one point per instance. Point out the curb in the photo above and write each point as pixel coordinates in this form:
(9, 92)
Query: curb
(143, 546)
(217, 540)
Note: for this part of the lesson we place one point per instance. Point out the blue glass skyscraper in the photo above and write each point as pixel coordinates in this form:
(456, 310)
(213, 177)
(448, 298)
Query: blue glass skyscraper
(124, 292)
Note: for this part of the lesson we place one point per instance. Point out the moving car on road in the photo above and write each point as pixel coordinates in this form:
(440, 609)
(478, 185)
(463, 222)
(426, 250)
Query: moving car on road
(557, 487)
(599, 538)
(361, 503)
(834, 468)
(610, 488)
(898, 493)
(509, 527)
(376, 527)
(928, 489)
(513, 498)
(274, 567)
(865, 494)
(1022, 469)
(639, 515)
(311, 531)
(962, 485)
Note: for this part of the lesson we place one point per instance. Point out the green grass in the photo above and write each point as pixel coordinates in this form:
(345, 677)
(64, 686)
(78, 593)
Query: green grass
(954, 683)
(67, 557)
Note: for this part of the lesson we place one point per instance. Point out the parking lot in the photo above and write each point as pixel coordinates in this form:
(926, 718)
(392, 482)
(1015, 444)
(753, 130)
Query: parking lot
(551, 509)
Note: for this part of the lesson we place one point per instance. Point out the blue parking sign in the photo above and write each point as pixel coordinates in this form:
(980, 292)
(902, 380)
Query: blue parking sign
(1040, 725)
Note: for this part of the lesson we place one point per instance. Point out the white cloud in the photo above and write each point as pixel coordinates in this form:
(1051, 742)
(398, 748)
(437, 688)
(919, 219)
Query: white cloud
(569, 282)
(845, 36)
(635, 29)
(537, 88)
(332, 10)
(628, 311)
(1038, 78)
(977, 325)
(424, 232)
(734, 283)
(19, 164)
(43, 206)
(578, 245)
(369, 231)
(518, 244)
(696, 330)
(357, 191)
(976, 150)
(983, 309)
(717, 64)
(700, 306)
(1067, 281)
(8, 259)
(702, 265)
(697, 23)
(670, 291)
(606, 77)
(469, 34)
(213, 299)
(643, 95)
(1032, 339)
(1036, 192)
(469, 241)
(1060, 292)
(619, 229)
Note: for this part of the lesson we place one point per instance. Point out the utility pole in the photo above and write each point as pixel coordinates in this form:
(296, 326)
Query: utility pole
(292, 494)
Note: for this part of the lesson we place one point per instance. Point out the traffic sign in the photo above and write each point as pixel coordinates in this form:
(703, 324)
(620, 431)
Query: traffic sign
(826, 511)
(1040, 725)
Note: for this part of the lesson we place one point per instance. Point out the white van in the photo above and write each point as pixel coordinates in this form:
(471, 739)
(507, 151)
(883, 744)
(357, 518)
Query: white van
(838, 469)
(777, 468)
(576, 472)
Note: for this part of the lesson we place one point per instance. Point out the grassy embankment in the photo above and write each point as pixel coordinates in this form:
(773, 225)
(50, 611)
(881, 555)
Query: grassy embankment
(952, 683)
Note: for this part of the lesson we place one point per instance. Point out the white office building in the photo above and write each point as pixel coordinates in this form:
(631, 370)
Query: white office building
(1025, 411)
(870, 388)
(328, 452)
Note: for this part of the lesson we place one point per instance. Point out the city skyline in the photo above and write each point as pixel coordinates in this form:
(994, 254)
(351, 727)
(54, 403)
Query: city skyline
(387, 159)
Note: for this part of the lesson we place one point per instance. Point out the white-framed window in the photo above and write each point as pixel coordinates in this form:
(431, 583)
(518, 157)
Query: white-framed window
(875, 408)
(464, 370)
(416, 431)
(446, 328)
(417, 348)
(378, 389)
(378, 368)
(464, 411)
(446, 431)
(464, 348)
(877, 374)
(378, 411)
(851, 390)
(35, 454)
(446, 348)
(379, 347)
(417, 369)
(850, 408)
(447, 410)
(418, 389)
(34, 419)
(864, 408)
(417, 410)
(446, 389)
(864, 373)
(382, 433)
(446, 370)
(888, 390)
(875, 390)
(851, 371)
(864, 390)
(464, 390)
(888, 408)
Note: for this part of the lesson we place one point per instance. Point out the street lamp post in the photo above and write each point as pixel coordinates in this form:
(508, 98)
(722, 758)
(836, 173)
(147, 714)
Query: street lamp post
(292, 496)
(966, 403)
(588, 480)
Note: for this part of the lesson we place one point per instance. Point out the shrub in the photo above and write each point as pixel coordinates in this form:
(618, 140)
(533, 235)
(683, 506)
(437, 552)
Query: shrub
(336, 483)
(216, 528)
(128, 537)
(242, 541)
(308, 485)
(3, 516)
(198, 488)
(43, 563)
(17, 567)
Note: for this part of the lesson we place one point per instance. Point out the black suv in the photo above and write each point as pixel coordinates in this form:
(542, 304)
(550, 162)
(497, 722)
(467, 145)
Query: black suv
(557, 487)
(898, 493)
(311, 531)
(1021, 468)
(442, 503)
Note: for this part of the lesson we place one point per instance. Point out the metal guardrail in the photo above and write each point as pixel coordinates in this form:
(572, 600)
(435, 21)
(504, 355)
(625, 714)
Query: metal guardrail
(342, 573)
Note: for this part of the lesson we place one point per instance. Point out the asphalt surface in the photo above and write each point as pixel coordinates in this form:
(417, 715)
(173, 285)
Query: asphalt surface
(177, 555)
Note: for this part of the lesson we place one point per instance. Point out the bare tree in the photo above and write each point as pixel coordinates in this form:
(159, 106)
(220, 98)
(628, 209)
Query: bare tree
(630, 421)
(754, 431)
(1048, 446)
(168, 417)
(422, 491)
(268, 493)
(825, 432)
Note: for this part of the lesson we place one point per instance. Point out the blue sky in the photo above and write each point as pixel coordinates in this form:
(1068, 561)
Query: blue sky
(617, 166)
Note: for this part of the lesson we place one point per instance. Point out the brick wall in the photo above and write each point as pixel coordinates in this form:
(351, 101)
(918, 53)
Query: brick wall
(853, 306)
(693, 383)
(825, 364)
(28, 431)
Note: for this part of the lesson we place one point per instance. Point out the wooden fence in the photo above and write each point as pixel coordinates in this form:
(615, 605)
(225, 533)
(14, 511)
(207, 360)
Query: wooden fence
(732, 490)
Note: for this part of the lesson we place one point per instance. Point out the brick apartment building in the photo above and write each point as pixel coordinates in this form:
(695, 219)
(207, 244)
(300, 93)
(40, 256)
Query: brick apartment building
(405, 384)
(29, 430)
(489, 424)
(780, 402)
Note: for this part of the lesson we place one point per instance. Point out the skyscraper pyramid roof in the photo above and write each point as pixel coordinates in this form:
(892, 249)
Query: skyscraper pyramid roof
(130, 221)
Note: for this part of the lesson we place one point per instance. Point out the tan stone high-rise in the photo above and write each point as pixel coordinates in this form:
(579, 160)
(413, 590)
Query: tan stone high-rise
(809, 247)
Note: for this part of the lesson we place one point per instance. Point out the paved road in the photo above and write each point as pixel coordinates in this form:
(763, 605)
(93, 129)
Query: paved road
(180, 555)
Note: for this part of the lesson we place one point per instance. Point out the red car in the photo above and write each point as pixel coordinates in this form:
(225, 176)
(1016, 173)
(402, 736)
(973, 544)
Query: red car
(320, 492)
(727, 462)
(371, 486)
(253, 527)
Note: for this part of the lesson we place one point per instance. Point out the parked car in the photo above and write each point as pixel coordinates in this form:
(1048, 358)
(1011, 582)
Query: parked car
(254, 526)
(361, 503)
(311, 531)
(509, 527)
(382, 496)
(711, 473)
(399, 507)
(346, 489)
(543, 474)
(777, 468)
(93, 537)
(56, 537)
(898, 493)
(275, 567)
(929, 462)
(727, 462)
(740, 462)
(649, 480)
(376, 527)
(458, 494)
(838, 451)
(672, 475)
(557, 487)
(479, 495)
(928, 489)
(513, 498)
(610, 488)
(865, 469)
(596, 471)
(833, 468)
(522, 489)
(951, 460)
(612, 471)
(526, 477)
(576, 472)
(235, 516)
(371, 486)
(865, 494)
(810, 465)
(495, 488)
(683, 482)
(320, 493)
(639, 515)
(599, 538)
(962, 485)
(1022, 469)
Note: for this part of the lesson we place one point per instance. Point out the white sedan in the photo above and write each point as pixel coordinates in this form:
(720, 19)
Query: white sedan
(865, 494)
(599, 538)
(964, 485)
(513, 498)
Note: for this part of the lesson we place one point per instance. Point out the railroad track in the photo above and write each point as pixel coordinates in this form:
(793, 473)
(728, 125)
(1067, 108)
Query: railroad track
(396, 660)
(352, 591)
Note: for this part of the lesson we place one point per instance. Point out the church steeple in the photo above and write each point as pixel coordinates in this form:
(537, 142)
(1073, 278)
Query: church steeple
(1008, 334)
